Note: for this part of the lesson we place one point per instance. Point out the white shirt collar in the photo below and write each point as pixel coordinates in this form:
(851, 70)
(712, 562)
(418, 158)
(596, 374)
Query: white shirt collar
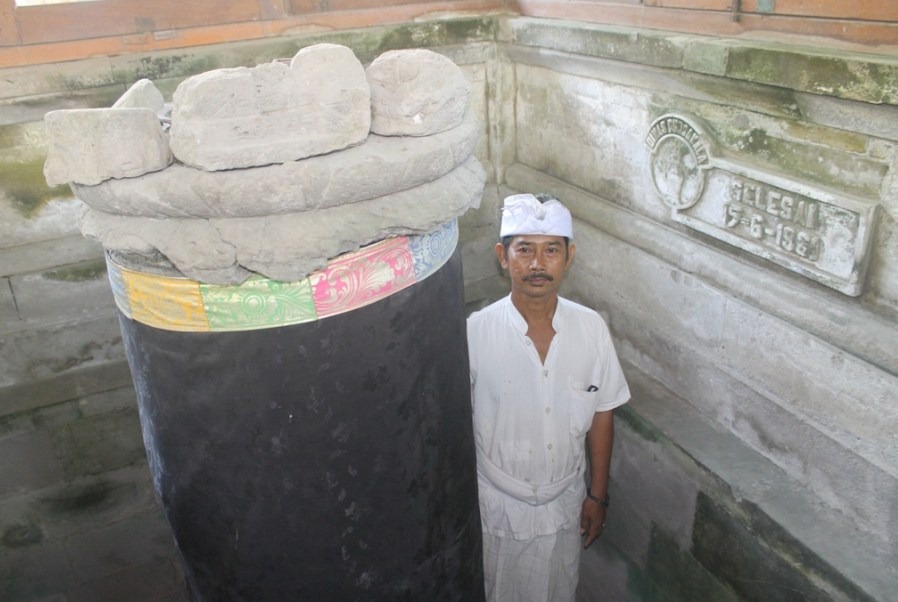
(521, 324)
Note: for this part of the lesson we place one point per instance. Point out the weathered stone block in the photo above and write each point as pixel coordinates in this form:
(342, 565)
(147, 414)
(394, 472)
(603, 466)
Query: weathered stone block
(603, 574)
(29, 462)
(106, 551)
(100, 443)
(61, 76)
(855, 76)
(741, 556)
(93, 503)
(66, 292)
(44, 216)
(378, 166)
(108, 401)
(44, 255)
(158, 580)
(560, 135)
(706, 57)
(272, 113)
(88, 146)
(41, 353)
(8, 312)
(818, 383)
(68, 385)
(55, 598)
(142, 94)
(650, 478)
(665, 299)
(625, 44)
(295, 244)
(682, 578)
(479, 258)
(481, 96)
(34, 573)
(416, 92)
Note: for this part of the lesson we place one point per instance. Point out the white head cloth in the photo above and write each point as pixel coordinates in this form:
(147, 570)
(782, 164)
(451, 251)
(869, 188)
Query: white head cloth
(524, 214)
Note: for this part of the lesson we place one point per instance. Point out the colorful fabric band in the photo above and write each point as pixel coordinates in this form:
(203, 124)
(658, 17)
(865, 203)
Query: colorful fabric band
(348, 282)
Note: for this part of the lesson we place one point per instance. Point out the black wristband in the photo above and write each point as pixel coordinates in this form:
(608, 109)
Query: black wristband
(606, 501)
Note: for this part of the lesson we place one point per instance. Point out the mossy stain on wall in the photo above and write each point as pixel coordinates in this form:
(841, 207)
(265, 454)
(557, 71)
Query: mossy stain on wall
(165, 66)
(472, 30)
(19, 536)
(77, 499)
(23, 183)
(637, 423)
(435, 34)
(17, 136)
(367, 45)
(679, 575)
(855, 76)
(82, 272)
(831, 165)
(753, 559)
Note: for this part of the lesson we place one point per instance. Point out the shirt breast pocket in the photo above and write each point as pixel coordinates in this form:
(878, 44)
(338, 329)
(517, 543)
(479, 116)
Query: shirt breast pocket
(584, 397)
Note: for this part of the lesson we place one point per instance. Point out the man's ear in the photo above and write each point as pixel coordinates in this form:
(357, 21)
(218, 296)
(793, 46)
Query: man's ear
(571, 249)
(500, 254)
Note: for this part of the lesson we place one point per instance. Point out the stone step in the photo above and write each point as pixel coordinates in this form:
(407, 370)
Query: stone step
(692, 499)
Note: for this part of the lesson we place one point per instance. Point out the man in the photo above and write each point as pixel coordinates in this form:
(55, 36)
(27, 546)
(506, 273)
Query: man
(545, 379)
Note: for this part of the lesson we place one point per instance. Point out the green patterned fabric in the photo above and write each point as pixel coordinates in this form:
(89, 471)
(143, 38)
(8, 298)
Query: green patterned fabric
(258, 303)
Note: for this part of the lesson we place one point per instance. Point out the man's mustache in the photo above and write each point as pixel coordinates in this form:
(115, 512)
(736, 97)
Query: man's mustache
(542, 275)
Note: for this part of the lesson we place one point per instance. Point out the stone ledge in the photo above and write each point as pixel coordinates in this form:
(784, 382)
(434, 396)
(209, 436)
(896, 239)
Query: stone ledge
(27, 396)
(799, 535)
(832, 72)
(45, 255)
(69, 293)
(645, 46)
(854, 76)
(836, 72)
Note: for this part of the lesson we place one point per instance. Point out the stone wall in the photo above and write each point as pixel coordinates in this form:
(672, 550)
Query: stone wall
(755, 460)
(753, 368)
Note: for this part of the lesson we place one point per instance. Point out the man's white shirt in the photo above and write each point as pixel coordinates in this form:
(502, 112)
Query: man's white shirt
(531, 418)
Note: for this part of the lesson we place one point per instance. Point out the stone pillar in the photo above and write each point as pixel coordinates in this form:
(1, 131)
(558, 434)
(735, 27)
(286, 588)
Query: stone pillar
(290, 294)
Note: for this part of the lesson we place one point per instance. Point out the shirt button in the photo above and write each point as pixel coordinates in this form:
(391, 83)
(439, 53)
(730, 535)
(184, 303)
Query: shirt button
(545, 373)
(527, 342)
(549, 446)
(548, 410)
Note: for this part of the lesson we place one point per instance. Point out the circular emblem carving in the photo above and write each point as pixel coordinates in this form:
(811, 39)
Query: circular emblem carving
(679, 160)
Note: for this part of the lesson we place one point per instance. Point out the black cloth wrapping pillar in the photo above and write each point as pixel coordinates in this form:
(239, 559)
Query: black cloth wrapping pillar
(330, 460)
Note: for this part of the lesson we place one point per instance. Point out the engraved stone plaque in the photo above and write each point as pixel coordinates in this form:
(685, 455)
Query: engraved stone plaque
(818, 233)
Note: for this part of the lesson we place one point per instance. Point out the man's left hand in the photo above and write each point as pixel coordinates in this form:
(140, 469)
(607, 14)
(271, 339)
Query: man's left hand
(592, 521)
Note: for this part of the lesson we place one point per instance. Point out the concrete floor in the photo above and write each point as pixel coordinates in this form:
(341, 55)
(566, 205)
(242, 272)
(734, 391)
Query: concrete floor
(101, 541)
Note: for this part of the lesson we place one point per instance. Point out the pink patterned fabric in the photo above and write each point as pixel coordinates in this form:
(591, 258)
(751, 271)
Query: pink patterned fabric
(363, 277)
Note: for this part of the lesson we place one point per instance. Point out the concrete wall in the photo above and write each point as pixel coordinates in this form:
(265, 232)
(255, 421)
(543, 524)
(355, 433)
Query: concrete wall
(755, 460)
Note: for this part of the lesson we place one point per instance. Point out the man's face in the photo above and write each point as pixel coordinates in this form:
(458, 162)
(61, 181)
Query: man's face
(536, 263)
